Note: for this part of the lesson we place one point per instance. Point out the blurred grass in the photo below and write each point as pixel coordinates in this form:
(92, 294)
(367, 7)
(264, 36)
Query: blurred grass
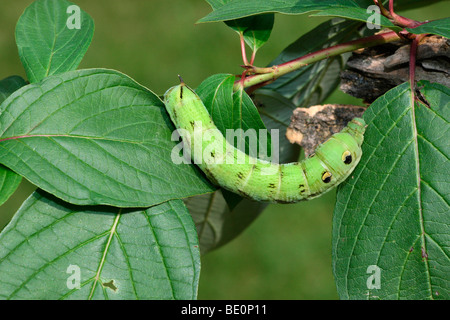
(286, 253)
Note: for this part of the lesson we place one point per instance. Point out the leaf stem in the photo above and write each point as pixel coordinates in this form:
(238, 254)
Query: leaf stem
(412, 60)
(270, 74)
(244, 53)
(252, 60)
(399, 20)
(383, 10)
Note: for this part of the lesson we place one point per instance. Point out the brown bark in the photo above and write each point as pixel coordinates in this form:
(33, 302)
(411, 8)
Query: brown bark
(313, 125)
(373, 71)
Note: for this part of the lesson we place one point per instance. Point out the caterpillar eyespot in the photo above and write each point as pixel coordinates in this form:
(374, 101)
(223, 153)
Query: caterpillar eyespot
(347, 157)
(332, 162)
(326, 177)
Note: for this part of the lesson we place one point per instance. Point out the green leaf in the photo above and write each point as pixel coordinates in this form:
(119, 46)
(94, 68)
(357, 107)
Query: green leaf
(95, 137)
(238, 9)
(217, 97)
(117, 253)
(234, 9)
(9, 85)
(393, 212)
(256, 30)
(45, 42)
(312, 84)
(358, 14)
(232, 109)
(440, 27)
(9, 181)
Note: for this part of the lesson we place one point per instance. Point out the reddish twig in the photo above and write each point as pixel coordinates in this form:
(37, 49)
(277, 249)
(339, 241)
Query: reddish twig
(383, 10)
(399, 20)
(270, 74)
(412, 61)
(244, 54)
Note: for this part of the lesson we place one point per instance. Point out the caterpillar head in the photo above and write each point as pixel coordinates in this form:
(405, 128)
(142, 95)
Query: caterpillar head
(181, 103)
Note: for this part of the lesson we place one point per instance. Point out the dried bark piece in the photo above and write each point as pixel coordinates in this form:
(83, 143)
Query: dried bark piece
(311, 126)
(373, 71)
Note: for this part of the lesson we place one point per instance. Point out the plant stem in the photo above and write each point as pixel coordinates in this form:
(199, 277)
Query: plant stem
(412, 60)
(383, 10)
(399, 20)
(270, 74)
(244, 53)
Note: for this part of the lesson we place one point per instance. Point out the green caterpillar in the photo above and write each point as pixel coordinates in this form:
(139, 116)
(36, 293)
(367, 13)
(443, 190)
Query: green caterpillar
(332, 162)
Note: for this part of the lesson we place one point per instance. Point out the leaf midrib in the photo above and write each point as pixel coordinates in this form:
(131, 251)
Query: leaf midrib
(111, 232)
(28, 136)
(419, 187)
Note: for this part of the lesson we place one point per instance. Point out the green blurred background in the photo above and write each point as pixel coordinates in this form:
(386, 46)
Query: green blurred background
(286, 252)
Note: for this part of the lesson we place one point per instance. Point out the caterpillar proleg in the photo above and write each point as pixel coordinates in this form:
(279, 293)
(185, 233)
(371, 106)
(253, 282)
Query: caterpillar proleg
(332, 162)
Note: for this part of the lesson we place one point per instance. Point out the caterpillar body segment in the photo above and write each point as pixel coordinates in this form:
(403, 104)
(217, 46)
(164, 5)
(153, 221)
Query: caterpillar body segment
(332, 162)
